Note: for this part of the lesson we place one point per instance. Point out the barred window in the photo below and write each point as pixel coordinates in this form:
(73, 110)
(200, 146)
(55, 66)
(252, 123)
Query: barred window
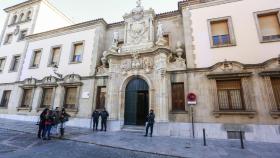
(230, 95)
(47, 97)
(5, 98)
(70, 97)
(276, 90)
(178, 97)
(100, 98)
(26, 100)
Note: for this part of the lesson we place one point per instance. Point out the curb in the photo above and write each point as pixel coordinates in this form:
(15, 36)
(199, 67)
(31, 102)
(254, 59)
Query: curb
(102, 145)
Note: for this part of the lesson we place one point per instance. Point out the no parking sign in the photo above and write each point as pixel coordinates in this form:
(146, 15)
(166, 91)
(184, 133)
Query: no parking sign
(191, 97)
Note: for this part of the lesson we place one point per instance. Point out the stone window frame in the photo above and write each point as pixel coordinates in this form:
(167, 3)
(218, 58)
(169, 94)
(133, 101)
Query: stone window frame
(72, 52)
(77, 85)
(246, 86)
(230, 29)
(1, 100)
(13, 62)
(4, 60)
(51, 55)
(14, 19)
(267, 75)
(21, 17)
(256, 14)
(20, 35)
(24, 87)
(41, 99)
(33, 58)
(6, 38)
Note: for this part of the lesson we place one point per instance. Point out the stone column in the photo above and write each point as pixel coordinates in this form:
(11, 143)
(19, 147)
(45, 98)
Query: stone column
(187, 24)
(270, 95)
(248, 93)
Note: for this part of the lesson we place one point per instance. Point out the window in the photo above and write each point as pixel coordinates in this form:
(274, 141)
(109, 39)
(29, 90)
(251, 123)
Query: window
(26, 100)
(230, 95)
(21, 17)
(5, 98)
(178, 97)
(276, 90)
(2, 64)
(36, 59)
(28, 15)
(221, 32)
(8, 39)
(78, 49)
(235, 134)
(22, 35)
(46, 98)
(269, 26)
(70, 97)
(55, 55)
(166, 37)
(14, 20)
(100, 98)
(15, 63)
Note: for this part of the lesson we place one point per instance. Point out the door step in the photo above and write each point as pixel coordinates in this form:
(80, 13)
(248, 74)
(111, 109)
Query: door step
(135, 129)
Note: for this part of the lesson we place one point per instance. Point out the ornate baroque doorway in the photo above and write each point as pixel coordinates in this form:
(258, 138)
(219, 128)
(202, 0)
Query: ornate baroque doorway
(136, 102)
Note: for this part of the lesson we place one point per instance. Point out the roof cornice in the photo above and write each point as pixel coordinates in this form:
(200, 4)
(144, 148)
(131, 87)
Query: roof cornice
(63, 30)
(23, 4)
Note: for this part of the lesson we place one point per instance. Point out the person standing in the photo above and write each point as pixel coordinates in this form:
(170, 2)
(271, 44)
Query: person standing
(150, 123)
(64, 117)
(48, 125)
(95, 118)
(42, 123)
(104, 116)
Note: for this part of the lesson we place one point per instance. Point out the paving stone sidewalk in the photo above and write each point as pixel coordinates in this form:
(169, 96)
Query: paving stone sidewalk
(160, 145)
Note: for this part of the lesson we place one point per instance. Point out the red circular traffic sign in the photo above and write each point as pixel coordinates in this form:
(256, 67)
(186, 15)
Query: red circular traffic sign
(191, 97)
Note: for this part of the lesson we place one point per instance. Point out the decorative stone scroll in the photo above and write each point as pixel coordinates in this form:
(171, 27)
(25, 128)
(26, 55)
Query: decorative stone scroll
(136, 64)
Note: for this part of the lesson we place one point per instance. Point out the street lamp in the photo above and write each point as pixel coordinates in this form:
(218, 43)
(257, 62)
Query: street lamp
(55, 67)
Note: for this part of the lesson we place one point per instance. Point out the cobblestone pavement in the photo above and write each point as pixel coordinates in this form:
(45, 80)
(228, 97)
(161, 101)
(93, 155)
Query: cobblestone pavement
(22, 145)
(132, 143)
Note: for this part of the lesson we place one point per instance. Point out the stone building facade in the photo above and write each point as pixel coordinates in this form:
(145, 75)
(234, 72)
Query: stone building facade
(224, 51)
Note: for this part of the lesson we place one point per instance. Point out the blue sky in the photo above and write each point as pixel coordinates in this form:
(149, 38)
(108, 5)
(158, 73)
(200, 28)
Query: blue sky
(83, 10)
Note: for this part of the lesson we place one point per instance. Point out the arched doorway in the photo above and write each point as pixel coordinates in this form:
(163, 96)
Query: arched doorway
(136, 102)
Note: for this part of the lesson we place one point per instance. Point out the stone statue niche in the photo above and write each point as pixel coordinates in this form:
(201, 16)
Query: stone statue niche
(161, 40)
(139, 29)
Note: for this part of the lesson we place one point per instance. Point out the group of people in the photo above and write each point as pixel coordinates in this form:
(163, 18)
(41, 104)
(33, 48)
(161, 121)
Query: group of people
(55, 119)
(52, 119)
(95, 117)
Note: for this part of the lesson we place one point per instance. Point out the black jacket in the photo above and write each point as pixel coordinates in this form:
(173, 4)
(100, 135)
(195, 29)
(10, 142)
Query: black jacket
(151, 118)
(95, 115)
(104, 115)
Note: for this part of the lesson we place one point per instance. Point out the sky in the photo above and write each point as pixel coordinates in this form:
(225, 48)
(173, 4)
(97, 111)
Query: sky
(84, 10)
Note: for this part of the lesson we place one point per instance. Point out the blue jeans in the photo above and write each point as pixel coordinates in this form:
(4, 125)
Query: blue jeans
(47, 131)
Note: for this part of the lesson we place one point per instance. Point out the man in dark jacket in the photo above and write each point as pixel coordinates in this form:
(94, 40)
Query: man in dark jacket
(42, 123)
(95, 118)
(150, 122)
(104, 116)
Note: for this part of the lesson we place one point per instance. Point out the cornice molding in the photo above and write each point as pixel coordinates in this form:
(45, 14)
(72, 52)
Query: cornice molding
(20, 5)
(68, 29)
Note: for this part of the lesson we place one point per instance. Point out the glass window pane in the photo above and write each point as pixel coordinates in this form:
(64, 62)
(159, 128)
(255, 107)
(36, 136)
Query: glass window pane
(219, 28)
(269, 24)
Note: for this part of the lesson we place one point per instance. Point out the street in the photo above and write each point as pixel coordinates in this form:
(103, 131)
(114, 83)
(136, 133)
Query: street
(22, 145)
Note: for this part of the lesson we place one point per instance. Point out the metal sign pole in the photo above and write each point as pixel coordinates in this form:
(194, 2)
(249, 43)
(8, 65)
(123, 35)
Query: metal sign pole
(192, 121)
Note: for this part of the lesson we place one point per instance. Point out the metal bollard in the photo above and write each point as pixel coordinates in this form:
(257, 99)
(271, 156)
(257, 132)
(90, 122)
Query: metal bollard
(204, 137)
(241, 139)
